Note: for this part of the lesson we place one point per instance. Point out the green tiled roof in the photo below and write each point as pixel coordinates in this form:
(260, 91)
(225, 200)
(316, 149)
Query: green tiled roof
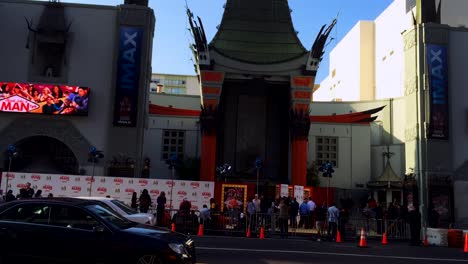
(257, 31)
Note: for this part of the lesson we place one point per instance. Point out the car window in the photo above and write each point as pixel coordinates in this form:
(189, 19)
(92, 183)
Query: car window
(124, 207)
(72, 217)
(110, 216)
(28, 213)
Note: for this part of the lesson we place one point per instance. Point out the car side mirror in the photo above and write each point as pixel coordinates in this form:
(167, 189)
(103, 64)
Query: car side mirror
(99, 229)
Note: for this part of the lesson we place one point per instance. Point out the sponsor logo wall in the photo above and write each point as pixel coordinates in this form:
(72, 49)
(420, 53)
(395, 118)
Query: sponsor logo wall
(197, 192)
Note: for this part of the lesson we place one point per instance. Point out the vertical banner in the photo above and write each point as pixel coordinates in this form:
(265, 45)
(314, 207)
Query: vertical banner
(128, 77)
(284, 192)
(299, 193)
(437, 68)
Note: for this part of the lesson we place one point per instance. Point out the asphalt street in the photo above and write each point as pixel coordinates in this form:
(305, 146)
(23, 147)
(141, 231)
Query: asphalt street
(212, 250)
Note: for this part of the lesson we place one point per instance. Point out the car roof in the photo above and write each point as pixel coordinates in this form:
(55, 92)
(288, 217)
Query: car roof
(95, 198)
(58, 200)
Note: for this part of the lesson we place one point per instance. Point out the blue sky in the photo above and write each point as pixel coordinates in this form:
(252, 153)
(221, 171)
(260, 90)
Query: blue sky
(170, 49)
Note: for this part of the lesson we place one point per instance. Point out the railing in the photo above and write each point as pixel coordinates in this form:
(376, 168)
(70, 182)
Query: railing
(235, 223)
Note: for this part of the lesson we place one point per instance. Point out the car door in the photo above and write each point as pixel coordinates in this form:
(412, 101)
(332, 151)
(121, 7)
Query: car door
(75, 235)
(24, 232)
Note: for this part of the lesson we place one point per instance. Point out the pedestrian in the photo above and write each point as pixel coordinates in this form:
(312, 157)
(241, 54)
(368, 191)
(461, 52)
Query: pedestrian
(333, 215)
(414, 218)
(321, 217)
(9, 196)
(304, 214)
(145, 201)
(38, 194)
(283, 218)
(29, 191)
(134, 202)
(293, 212)
(160, 208)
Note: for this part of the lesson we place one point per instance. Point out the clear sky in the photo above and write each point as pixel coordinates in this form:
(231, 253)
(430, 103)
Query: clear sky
(172, 38)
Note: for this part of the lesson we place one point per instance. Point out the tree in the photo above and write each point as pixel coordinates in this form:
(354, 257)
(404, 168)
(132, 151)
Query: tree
(312, 177)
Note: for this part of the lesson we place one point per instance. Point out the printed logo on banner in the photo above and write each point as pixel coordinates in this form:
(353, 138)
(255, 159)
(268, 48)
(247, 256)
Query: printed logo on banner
(130, 190)
(206, 194)
(194, 184)
(194, 207)
(21, 186)
(143, 182)
(35, 177)
(47, 188)
(63, 188)
(155, 182)
(77, 179)
(103, 180)
(182, 193)
(101, 190)
(118, 181)
(48, 178)
(64, 179)
(182, 184)
(207, 185)
(194, 194)
(76, 189)
(10, 176)
(22, 176)
(117, 191)
(89, 178)
(169, 183)
(154, 192)
(130, 181)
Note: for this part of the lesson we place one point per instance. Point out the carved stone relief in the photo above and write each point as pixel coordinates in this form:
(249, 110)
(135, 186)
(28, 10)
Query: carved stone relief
(411, 85)
(409, 40)
(411, 133)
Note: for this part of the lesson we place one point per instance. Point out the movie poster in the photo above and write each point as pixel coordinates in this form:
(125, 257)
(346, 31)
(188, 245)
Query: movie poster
(46, 99)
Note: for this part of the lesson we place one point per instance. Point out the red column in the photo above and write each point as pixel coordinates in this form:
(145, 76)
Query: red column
(208, 158)
(299, 161)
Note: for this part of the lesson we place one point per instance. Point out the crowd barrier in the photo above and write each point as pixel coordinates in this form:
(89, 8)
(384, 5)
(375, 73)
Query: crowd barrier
(234, 223)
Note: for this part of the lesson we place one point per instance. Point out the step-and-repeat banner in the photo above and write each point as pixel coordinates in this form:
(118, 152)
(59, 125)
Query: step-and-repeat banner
(197, 192)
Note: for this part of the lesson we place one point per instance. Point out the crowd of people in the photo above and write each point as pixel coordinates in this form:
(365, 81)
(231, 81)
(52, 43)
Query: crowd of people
(24, 193)
(64, 100)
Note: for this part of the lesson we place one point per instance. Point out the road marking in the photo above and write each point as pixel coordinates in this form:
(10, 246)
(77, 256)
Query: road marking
(330, 254)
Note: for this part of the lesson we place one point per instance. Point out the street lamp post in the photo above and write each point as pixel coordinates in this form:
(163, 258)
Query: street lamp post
(172, 162)
(12, 153)
(327, 170)
(94, 156)
(258, 166)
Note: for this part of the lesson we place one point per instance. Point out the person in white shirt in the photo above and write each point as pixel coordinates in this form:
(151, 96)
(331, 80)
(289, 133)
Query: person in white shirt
(333, 215)
(311, 206)
(205, 214)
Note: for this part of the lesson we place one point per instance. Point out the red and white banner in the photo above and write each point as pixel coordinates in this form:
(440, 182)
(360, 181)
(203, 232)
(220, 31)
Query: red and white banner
(197, 192)
(299, 193)
(284, 190)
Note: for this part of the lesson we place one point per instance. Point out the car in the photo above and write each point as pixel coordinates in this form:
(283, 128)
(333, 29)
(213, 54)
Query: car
(124, 210)
(71, 230)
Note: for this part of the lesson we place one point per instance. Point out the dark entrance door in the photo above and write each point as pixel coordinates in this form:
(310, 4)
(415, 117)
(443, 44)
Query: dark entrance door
(42, 154)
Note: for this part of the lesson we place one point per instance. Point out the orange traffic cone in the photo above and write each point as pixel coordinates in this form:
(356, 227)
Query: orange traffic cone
(173, 227)
(384, 239)
(362, 240)
(262, 233)
(200, 230)
(338, 237)
(248, 232)
(466, 243)
(426, 241)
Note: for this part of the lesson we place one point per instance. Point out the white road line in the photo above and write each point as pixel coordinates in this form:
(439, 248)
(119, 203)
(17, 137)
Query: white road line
(329, 254)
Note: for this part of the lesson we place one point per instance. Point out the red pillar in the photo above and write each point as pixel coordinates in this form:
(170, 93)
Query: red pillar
(208, 158)
(299, 161)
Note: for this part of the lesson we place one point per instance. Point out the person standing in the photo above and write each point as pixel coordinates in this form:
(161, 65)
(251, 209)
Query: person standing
(160, 208)
(283, 218)
(134, 203)
(414, 218)
(145, 201)
(29, 191)
(293, 211)
(333, 215)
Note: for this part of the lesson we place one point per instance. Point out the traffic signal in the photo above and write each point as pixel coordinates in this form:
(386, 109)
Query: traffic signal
(258, 163)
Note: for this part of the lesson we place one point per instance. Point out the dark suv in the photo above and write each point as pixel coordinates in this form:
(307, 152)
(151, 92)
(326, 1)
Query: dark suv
(68, 230)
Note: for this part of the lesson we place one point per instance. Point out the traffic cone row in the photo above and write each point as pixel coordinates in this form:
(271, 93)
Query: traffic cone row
(248, 232)
(173, 227)
(262, 233)
(200, 230)
(338, 237)
(362, 240)
(384, 239)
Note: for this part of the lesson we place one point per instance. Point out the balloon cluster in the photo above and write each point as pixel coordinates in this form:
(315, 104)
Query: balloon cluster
(327, 169)
(94, 155)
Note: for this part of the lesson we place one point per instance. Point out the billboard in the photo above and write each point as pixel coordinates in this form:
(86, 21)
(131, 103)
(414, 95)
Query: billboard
(128, 77)
(46, 99)
(437, 67)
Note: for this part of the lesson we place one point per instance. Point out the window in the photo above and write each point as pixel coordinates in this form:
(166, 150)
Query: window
(72, 217)
(173, 142)
(28, 213)
(326, 149)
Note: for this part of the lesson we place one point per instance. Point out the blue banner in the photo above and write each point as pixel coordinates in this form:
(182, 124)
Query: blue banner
(128, 77)
(437, 67)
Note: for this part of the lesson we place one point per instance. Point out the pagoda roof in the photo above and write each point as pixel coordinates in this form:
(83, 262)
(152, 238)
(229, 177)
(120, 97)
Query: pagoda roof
(257, 32)
(388, 178)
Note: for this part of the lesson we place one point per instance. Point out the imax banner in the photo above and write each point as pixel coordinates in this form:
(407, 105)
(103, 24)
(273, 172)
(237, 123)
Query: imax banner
(437, 67)
(128, 77)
